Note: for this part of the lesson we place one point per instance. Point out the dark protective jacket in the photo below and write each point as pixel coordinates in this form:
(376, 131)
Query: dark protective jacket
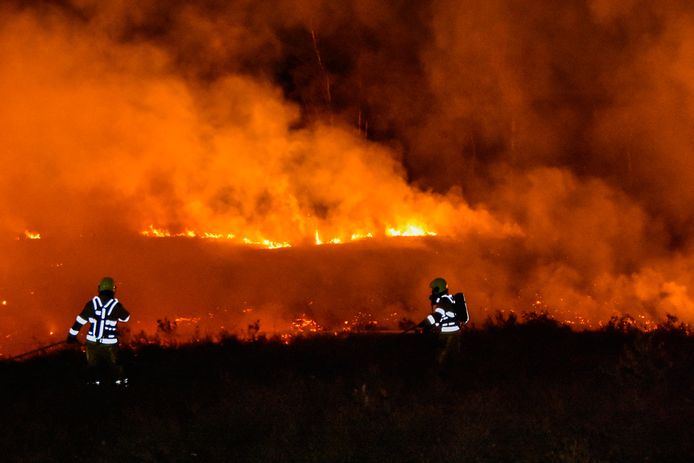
(448, 312)
(103, 313)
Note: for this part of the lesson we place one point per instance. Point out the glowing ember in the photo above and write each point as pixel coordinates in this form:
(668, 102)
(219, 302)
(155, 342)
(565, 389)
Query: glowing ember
(187, 319)
(303, 324)
(267, 243)
(32, 235)
(361, 236)
(320, 242)
(362, 321)
(156, 232)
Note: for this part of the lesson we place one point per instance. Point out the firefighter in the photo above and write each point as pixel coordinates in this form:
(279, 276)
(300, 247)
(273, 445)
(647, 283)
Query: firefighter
(102, 312)
(447, 315)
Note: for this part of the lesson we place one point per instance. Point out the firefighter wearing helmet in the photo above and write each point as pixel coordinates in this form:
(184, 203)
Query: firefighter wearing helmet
(448, 313)
(102, 312)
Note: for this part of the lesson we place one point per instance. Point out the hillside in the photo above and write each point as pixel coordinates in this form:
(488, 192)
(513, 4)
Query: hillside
(523, 392)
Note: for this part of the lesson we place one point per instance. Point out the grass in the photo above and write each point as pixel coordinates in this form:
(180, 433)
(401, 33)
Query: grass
(534, 391)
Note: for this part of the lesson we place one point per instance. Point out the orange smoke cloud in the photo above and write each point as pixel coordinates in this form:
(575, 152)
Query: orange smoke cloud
(101, 120)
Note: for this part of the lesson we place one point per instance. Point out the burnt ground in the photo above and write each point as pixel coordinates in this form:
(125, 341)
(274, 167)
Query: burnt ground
(522, 392)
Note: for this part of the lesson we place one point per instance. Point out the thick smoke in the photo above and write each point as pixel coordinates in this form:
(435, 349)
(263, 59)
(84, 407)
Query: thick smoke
(548, 144)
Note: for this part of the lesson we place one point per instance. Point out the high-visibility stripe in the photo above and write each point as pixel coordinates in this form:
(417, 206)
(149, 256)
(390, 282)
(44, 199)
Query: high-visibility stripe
(101, 325)
(103, 329)
(446, 319)
(111, 305)
(91, 338)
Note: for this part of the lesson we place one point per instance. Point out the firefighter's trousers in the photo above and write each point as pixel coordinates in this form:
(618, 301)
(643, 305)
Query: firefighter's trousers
(102, 362)
(449, 351)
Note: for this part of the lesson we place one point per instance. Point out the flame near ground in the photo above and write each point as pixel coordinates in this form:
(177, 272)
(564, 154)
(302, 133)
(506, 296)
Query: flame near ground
(547, 147)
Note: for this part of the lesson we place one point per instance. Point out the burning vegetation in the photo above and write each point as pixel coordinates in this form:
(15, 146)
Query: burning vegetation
(205, 153)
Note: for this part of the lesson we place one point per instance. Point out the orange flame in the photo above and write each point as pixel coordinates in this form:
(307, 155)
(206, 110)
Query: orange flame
(30, 235)
(410, 230)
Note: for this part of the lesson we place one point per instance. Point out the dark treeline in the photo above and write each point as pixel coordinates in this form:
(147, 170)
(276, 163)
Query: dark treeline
(528, 391)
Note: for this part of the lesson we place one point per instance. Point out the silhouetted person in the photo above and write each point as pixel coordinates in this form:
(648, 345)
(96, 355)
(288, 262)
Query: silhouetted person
(447, 315)
(102, 312)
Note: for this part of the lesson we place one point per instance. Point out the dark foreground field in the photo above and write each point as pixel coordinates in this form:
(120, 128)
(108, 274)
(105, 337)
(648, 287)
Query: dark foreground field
(530, 392)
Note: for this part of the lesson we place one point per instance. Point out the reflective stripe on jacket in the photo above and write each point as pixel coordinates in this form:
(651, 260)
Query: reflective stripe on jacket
(103, 318)
(443, 314)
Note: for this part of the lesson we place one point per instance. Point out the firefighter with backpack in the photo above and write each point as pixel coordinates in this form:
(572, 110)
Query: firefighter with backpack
(448, 313)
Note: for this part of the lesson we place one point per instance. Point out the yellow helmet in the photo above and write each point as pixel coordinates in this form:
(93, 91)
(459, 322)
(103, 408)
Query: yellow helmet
(438, 285)
(107, 284)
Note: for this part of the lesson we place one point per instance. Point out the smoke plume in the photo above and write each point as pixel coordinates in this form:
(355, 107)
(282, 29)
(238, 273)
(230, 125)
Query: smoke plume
(547, 145)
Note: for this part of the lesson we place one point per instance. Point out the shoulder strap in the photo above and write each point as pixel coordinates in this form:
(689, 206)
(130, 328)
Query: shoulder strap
(110, 305)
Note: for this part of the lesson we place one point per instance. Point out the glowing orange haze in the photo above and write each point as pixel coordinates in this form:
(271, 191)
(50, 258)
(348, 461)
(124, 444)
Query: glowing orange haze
(541, 155)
